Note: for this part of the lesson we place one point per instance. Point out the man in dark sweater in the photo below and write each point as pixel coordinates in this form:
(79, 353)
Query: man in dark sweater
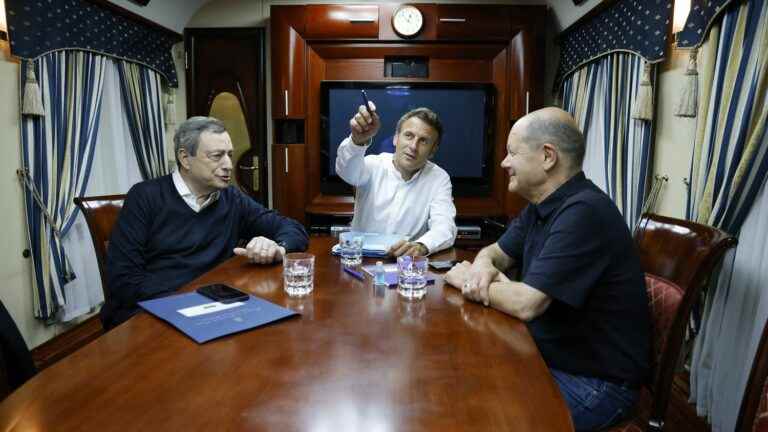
(176, 227)
(582, 291)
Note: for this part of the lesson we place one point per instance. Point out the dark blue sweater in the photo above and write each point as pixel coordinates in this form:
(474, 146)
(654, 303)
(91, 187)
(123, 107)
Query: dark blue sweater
(159, 243)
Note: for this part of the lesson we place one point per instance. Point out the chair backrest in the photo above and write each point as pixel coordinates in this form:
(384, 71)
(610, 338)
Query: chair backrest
(16, 365)
(684, 253)
(101, 214)
(753, 415)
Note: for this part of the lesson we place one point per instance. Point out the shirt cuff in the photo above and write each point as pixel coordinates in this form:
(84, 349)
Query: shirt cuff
(360, 148)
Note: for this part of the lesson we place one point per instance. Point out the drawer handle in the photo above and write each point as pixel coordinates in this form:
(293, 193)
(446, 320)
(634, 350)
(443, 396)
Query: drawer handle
(453, 20)
(362, 20)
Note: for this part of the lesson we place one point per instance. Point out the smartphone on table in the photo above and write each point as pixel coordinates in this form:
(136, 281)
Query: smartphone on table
(223, 293)
(442, 265)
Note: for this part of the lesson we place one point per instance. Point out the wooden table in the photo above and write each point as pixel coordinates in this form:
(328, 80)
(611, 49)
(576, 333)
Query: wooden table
(356, 360)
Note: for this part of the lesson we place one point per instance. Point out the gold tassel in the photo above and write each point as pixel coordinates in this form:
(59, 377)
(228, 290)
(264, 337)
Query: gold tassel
(643, 108)
(689, 96)
(170, 108)
(32, 103)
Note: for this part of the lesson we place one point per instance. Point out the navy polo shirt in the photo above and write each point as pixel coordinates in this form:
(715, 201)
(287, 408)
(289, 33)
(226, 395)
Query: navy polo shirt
(576, 248)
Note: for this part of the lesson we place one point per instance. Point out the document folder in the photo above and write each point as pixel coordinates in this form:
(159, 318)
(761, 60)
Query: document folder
(203, 320)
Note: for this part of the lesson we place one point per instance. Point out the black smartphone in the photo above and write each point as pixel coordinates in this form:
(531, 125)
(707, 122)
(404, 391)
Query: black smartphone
(222, 293)
(442, 265)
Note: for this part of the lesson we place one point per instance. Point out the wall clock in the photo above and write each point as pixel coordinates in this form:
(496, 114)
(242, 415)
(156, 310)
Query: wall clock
(407, 21)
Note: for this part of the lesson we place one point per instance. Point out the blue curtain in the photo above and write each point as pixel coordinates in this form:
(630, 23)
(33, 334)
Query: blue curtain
(57, 152)
(600, 96)
(141, 92)
(729, 167)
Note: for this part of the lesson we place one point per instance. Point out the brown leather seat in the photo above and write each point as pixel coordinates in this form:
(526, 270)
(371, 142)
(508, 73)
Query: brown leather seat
(101, 214)
(753, 415)
(678, 257)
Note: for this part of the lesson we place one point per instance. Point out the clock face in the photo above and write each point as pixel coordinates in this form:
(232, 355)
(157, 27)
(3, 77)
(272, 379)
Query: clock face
(407, 21)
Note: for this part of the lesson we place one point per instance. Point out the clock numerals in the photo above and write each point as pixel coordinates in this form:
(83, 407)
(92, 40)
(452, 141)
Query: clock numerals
(407, 21)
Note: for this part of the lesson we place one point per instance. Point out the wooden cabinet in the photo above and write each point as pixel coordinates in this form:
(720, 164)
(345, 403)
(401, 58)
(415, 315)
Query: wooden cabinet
(497, 44)
(476, 22)
(289, 180)
(342, 22)
(288, 62)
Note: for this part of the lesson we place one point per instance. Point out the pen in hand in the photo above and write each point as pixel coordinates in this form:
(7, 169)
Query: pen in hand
(365, 101)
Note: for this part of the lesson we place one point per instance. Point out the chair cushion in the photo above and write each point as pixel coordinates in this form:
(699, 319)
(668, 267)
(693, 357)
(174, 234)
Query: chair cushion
(664, 299)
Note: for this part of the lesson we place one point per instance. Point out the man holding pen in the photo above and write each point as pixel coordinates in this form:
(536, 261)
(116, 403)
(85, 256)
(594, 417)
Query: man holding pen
(401, 193)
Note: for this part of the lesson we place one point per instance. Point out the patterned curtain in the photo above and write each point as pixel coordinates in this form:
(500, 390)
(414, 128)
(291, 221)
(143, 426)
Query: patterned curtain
(142, 99)
(728, 171)
(57, 153)
(600, 96)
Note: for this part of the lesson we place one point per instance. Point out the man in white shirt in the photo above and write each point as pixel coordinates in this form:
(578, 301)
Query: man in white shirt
(403, 193)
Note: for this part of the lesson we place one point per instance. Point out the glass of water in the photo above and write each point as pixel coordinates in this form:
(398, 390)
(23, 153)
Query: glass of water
(298, 273)
(351, 244)
(412, 276)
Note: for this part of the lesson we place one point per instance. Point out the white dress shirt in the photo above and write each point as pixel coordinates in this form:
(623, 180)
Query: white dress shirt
(420, 208)
(188, 196)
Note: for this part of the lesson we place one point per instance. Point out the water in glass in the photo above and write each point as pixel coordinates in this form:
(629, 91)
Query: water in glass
(412, 278)
(298, 272)
(351, 248)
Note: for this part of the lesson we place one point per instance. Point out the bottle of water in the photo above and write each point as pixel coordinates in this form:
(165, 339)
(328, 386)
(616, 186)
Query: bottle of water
(379, 275)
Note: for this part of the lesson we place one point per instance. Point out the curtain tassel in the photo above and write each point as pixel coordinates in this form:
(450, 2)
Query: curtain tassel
(643, 108)
(689, 96)
(170, 109)
(32, 103)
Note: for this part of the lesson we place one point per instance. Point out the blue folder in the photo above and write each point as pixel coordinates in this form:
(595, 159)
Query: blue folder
(202, 328)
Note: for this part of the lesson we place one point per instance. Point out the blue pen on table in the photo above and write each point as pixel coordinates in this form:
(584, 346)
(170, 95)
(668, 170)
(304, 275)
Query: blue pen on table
(355, 274)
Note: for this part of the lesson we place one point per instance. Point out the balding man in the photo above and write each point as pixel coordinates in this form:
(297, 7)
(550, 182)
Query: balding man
(582, 290)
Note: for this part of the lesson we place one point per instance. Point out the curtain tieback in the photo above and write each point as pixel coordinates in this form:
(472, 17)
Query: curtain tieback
(27, 181)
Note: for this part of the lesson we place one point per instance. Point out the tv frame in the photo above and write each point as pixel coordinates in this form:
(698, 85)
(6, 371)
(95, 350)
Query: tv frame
(462, 186)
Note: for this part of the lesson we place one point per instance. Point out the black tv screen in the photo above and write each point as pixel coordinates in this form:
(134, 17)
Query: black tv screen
(466, 111)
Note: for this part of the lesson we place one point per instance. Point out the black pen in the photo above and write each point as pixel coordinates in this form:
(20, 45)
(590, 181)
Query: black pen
(365, 100)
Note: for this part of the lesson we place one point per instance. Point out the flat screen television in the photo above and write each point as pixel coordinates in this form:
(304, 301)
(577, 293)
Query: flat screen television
(466, 110)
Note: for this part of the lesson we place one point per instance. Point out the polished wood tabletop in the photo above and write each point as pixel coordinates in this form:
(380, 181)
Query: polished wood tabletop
(356, 359)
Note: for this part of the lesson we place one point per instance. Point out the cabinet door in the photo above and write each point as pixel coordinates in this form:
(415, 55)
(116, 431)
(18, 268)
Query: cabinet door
(288, 61)
(343, 22)
(289, 181)
(479, 22)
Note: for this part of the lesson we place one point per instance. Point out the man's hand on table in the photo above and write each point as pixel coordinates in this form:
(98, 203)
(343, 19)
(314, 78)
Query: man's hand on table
(261, 250)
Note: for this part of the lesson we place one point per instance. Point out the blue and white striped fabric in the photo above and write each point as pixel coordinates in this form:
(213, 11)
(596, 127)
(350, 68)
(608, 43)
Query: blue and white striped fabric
(600, 96)
(730, 158)
(728, 190)
(57, 152)
(141, 92)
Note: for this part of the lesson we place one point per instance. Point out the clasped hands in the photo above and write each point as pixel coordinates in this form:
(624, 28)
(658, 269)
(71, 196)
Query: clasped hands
(475, 280)
(261, 250)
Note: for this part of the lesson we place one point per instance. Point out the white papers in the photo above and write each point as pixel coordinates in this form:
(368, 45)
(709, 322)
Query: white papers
(207, 308)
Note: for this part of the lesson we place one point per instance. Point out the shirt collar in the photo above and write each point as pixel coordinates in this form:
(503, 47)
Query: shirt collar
(399, 176)
(183, 189)
(556, 198)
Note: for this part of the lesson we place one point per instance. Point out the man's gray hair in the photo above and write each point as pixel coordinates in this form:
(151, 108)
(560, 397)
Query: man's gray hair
(562, 134)
(188, 134)
(427, 116)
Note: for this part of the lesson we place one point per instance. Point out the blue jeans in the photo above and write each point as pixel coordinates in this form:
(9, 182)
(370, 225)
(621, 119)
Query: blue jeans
(594, 403)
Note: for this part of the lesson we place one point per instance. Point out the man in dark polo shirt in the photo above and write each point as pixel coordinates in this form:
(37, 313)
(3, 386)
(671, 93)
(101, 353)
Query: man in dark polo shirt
(582, 291)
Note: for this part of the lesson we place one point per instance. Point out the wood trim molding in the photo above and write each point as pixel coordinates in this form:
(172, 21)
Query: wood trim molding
(66, 343)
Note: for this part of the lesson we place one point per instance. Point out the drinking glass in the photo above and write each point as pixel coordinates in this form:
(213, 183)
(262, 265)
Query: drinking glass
(298, 273)
(412, 276)
(351, 244)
